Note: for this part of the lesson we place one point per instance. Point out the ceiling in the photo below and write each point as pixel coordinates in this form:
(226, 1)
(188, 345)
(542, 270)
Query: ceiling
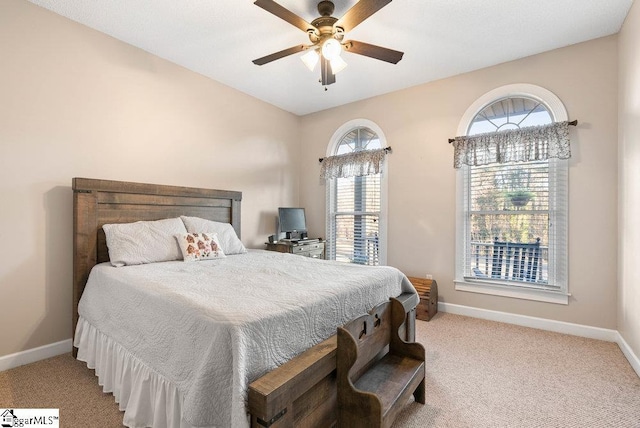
(439, 38)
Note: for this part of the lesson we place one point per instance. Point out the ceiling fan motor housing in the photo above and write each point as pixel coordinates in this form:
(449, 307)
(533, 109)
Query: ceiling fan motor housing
(325, 23)
(326, 8)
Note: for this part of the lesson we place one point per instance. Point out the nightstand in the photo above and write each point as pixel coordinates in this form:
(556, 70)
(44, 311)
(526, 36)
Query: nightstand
(314, 248)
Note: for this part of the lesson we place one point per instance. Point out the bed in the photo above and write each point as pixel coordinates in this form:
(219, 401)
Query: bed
(176, 349)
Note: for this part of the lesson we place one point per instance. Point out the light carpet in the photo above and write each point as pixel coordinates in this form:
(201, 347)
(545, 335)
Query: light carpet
(485, 374)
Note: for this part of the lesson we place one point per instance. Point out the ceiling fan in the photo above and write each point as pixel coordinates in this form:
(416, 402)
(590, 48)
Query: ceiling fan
(326, 34)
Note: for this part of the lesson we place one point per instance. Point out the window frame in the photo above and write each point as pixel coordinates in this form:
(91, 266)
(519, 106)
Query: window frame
(332, 147)
(558, 176)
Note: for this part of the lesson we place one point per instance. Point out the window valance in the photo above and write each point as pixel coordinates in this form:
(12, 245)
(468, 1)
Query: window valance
(519, 145)
(354, 164)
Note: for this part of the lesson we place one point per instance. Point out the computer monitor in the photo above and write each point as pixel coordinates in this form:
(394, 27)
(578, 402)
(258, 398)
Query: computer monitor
(292, 221)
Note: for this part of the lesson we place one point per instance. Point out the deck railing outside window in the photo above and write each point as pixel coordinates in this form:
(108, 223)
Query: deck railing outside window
(484, 264)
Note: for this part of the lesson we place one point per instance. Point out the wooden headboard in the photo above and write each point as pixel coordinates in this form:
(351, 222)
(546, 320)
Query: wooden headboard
(98, 202)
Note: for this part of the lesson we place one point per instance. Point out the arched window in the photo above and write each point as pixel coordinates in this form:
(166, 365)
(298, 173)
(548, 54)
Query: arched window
(512, 215)
(355, 205)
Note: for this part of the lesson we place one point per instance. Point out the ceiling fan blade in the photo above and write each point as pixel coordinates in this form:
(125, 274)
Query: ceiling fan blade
(359, 12)
(325, 70)
(277, 55)
(373, 51)
(285, 14)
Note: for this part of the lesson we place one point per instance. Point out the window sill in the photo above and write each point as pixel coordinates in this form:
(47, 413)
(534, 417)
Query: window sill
(498, 289)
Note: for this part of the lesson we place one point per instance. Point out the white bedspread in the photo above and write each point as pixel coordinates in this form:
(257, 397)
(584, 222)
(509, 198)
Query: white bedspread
(207, 329)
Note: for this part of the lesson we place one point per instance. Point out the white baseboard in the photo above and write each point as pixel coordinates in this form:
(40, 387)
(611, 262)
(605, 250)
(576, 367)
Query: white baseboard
(36, 354)
(548, 325)
(628, 352)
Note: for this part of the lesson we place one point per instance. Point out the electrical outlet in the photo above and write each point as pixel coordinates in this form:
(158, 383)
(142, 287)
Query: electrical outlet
(428, 276)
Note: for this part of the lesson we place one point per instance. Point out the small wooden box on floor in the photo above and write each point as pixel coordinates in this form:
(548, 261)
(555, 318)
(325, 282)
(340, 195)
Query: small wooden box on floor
(428, 291)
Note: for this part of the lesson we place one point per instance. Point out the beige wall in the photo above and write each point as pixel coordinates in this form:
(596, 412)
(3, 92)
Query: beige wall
(74, 102)
(417, 123)
(629, 187)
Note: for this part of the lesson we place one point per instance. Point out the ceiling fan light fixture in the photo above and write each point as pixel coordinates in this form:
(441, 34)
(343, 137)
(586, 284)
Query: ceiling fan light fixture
(331, 49)
(337, 64)
(310, 59)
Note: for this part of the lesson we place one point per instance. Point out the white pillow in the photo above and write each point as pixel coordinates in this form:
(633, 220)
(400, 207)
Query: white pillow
(144, 241)
(200, 246)
(227, 236)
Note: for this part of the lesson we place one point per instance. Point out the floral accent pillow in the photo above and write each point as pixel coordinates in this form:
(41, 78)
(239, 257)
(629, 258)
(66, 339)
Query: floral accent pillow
(226, 234)
(200, 246)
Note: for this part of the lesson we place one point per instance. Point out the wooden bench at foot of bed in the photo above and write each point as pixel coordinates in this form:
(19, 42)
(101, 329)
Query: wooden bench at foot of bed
(302, 392)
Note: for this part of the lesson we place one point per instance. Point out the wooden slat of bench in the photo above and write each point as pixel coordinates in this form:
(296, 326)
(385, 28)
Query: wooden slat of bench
(391, 379)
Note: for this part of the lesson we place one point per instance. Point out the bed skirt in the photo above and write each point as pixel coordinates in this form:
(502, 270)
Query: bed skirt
(145, 396)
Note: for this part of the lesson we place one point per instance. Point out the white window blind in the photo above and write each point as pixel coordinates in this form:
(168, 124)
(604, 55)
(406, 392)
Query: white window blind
(354, 219)
(509, 203)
